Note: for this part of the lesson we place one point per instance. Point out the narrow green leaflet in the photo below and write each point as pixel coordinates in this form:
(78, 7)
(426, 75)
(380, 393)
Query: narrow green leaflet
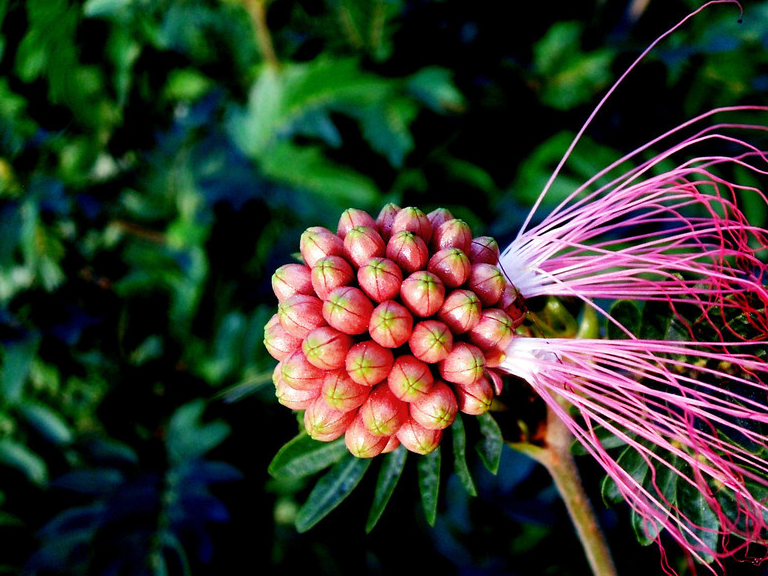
(391, 470)
(492, 443)
(703, 521)
(626, 313)
(429, 483)
(460, 456)
(303, 456)
(331, 490)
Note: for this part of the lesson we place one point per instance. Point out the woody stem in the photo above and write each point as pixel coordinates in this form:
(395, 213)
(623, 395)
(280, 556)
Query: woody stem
(557, 458)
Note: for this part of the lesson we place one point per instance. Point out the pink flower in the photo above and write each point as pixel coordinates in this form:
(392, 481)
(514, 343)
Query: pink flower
(690, 410)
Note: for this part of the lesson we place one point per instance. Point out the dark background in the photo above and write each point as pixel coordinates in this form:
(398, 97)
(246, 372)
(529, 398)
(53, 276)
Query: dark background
(157, 163)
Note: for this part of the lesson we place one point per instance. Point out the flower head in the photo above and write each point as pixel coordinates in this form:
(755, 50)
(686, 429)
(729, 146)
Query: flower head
(389, 328)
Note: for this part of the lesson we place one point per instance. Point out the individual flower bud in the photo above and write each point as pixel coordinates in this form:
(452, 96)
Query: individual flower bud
(407, 250)
(453, 233)
(488, 282)
(451, 265)
(464, 365)
(484, 250)
(325, 423)
(410, 378)
(291, 279)
(298, 373)
(385, 219)
(361, 443)
(512, 303)
(351, 218)
(301, 314)
(348, 310)
(329, 273)
(418, 439)
(380, 279)
(460, 311)
(382, 412)
(278, 342)
(326, 347)
(294, 398)
(413, 220)
(496, 381)
(392, 445)
(343, 393)
(423, 293)
(438, 216)
(431, 341)
(363, 243)
(317, 242)
(435, 410)
(391, 324)
(475, 398)
(494, 330)
(368, 363)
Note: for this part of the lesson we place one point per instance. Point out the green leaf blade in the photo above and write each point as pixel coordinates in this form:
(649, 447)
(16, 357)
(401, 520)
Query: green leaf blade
(389, 475)
(429, 483)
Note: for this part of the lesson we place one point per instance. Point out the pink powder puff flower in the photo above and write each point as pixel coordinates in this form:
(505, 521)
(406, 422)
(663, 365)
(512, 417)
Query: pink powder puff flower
(691, 411)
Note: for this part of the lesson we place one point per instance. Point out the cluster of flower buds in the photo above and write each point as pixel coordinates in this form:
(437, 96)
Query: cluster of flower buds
(389, 327)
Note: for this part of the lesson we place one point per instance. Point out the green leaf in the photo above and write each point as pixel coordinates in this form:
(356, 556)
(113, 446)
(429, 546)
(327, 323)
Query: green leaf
(491, 445)
(702, 520)
(428, 467)
(391, 470)
(459, 436)
(303, 456)
(17, 361)
(101, 8)
(188, 438)
(16, 455)
(49, 424)
(331, 490)
(626, 313)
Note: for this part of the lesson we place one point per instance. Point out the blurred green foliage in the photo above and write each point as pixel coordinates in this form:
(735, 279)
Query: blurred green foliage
(158, 159)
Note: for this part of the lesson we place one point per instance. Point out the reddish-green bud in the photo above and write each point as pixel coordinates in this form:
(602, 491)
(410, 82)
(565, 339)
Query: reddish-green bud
(343, 393)
(494, 330)
(317, 242)
(407, 250)
(278, 342)
(391, 324)
(291, 279)
(368, 363)
(438, 216)
(292, 397)
(423, 293)
(352, 217)
(325, 423)
(380, 279)
(464, 365)
(484, 250)
(475, 398)
(413, 220)
(301, 314)
(330, 272)
(348, 310)
(435, 410)
(361, 443)
(410, 378)
(418, 439)
(300, 374)
(382, 412)
(488, 282)
(451, 265)
(431, 341)
(326, 347)
(453, 233)
(496, 381)
(512, 303)
(385, 219)
(363, 243)
(460, 311)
